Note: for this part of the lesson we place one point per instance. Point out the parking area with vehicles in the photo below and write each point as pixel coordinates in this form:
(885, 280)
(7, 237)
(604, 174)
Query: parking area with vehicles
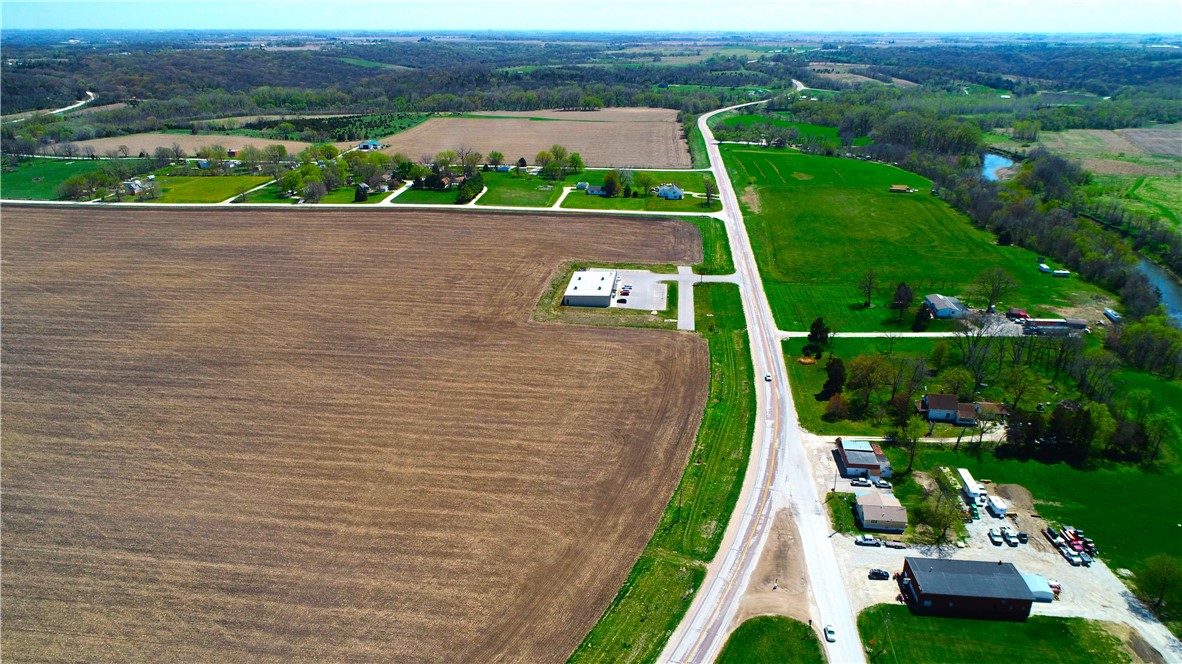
(223, 433)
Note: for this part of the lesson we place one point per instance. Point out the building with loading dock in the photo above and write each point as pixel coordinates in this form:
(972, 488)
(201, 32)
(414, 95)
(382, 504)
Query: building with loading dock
(590, 288)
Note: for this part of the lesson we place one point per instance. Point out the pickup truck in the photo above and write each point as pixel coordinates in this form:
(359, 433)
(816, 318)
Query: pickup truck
(867, 540)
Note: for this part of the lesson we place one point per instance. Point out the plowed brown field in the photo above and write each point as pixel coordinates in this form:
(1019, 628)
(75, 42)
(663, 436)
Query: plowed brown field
(331, 436)
(640, 139)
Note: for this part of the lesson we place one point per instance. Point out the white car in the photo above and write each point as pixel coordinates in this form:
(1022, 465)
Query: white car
(882, 484)
(830, 634)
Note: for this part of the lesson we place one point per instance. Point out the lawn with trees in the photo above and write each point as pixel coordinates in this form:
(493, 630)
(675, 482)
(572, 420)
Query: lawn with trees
(632, 190)
(793, 203)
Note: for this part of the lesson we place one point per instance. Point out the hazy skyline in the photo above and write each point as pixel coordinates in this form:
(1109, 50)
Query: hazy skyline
(1010, 16)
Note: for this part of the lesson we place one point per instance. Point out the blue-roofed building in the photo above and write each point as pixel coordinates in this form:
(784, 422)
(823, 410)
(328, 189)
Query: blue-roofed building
(369, 146)
(861, 458)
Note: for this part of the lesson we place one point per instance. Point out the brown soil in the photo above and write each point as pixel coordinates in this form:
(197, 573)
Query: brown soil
(642, 143)
(1135, 645)
(780, 565)
(277, 436)
(614, 114)
(1021, 502)
(137, 143)
(1166, 141)
(750, 198)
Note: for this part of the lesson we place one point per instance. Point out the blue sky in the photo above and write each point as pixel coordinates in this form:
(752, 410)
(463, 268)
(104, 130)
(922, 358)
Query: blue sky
(1022, 16)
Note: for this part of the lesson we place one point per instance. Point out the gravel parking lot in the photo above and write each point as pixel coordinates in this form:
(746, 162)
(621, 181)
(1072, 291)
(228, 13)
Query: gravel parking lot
(648, 291)
(1088, 592)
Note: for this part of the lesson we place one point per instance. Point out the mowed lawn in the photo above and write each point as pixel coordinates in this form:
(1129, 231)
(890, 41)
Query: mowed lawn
(911, 639)
(772, 639)
(204, 189)
(36, 179)
(805, 129)
(690, 181)
(817, 223)
(520, 190)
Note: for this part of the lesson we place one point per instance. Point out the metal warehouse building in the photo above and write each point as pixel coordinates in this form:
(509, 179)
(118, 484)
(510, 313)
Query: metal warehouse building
(590, 288)
(965, 589)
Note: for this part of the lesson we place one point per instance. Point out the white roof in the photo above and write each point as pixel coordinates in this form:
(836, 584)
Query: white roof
(591, 282)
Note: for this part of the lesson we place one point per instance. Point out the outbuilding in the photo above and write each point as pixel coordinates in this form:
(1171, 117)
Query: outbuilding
(965, 589)
(945, 306)
(860, 458)
(590, 288)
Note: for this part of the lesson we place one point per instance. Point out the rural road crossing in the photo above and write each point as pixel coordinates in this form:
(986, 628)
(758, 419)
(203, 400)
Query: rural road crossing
(778, 474)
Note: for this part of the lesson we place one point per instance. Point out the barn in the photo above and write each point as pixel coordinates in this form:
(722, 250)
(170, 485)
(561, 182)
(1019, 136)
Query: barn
(965, 589)
(590, 288)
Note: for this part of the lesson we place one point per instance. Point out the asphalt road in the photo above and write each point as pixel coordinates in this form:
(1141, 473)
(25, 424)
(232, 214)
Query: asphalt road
(779, 475)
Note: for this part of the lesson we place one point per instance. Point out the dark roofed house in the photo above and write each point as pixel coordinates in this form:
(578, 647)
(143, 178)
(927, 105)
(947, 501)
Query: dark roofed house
(965, 589)
(595, 191)
(946, 408)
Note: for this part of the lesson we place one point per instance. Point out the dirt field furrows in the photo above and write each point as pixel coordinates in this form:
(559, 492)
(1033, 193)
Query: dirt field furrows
(147, 143)
(330, 436)
(1165, 140)
(638, 140)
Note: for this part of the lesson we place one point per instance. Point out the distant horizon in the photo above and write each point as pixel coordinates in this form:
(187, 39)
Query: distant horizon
(1000, 17)
(557, 31)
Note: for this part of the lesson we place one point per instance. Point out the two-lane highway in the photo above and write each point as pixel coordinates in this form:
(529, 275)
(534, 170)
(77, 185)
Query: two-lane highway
(778, 476)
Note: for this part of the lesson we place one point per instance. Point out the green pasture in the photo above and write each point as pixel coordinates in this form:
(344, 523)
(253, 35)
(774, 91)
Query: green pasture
(891, 633)
(204, 189)
(690, 181)
(36, 179)
(822, 221)
(431, 196)
(768, 639)
(520, 190)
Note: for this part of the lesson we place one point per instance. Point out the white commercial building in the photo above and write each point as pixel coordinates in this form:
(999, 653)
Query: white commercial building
(590, 288)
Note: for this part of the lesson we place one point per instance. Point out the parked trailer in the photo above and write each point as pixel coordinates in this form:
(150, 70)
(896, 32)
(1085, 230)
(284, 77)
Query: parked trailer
(1112, 315)
(969, 486)
(997, 506)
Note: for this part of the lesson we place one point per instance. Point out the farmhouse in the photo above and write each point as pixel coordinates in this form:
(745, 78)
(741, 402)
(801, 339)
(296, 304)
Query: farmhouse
(670, 192)
(595, 191)
(860, 458)
(945, 306)
(946, 408)
(590, 288)
(965, 589)
(881, 511)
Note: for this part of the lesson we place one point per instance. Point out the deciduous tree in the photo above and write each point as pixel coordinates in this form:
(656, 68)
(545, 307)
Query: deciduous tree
(993, 285)
(904, 296)
(866, 286)
(1160, 581)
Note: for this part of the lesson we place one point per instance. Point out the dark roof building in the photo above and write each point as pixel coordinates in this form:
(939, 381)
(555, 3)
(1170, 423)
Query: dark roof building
(965, 589)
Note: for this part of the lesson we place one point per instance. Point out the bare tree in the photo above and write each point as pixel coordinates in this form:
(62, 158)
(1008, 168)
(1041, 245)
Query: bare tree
(866, 286)
(993, 285)
(88, 152)
(124, 150)
(711, 191)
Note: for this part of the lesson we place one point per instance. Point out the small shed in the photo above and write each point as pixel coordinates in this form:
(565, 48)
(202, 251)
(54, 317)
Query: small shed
(582, 186)
(945, 306)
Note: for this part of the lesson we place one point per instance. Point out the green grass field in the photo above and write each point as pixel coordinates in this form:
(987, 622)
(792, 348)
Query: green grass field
(697, 147)
(769, 639)
(927, 639)
(805, 129)
(661, 585)
(822, 221)
(690, 181)
(716, 249)
(446, 197)
(204, 189)
(36, 179)
(523, 190)
(346, 194)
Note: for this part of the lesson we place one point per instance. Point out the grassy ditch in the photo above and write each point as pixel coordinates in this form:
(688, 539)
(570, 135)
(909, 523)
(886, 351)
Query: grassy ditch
(636, 625)
(894, 634)
(772, 639)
